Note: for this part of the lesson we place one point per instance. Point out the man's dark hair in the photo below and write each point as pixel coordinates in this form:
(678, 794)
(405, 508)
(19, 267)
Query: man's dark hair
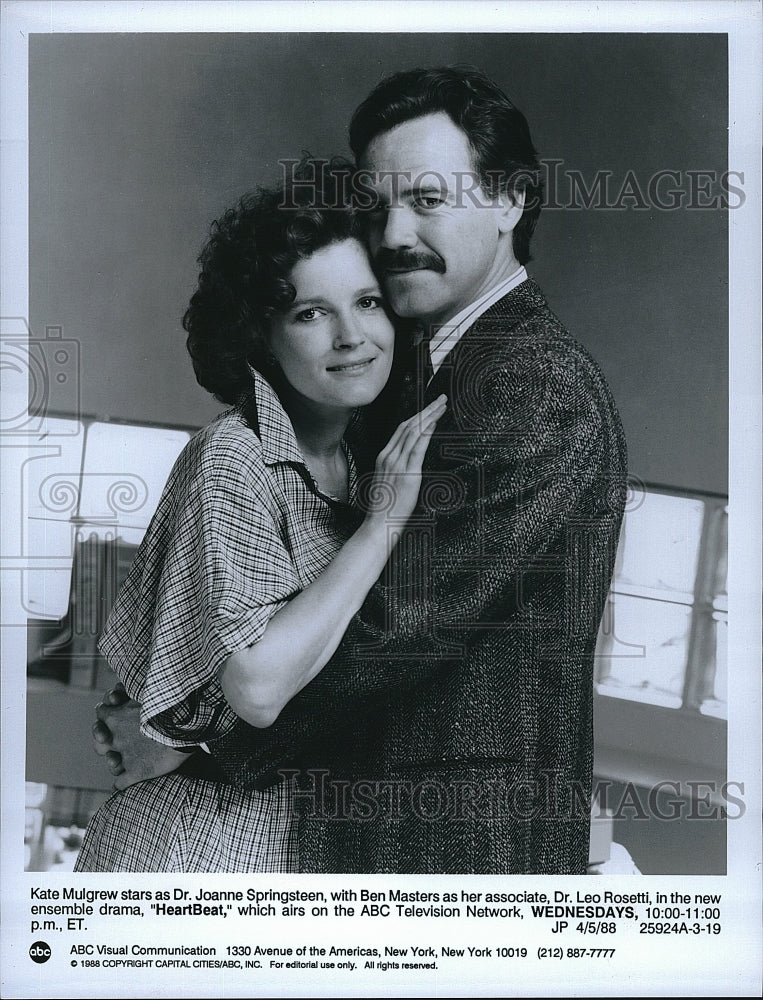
(504, 156)
(245, 267)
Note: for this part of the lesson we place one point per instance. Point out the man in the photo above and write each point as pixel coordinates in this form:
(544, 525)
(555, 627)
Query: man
(452, 731)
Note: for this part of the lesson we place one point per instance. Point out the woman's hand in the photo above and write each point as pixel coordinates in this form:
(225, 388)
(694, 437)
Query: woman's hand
(300, 639)
(394, 490)
(130, 756)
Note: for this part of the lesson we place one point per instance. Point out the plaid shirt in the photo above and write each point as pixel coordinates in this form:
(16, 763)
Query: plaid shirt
(240, 529)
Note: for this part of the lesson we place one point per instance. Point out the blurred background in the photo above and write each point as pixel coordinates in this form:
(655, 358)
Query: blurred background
(138, 141)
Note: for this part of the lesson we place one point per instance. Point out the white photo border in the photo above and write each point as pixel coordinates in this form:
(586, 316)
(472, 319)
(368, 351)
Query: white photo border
(738, 961)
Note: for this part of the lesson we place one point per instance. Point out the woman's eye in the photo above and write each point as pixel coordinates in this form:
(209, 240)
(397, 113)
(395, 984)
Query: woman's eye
(307, 315)
(370, 302)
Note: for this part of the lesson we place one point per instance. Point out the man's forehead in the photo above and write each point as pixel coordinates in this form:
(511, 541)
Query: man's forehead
(423, 151)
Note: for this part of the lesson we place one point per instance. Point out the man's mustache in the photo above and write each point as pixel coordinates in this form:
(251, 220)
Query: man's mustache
(408, 260)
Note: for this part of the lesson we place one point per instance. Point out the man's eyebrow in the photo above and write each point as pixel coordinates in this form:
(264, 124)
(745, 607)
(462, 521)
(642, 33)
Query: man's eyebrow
(430, 187)
(404, 192)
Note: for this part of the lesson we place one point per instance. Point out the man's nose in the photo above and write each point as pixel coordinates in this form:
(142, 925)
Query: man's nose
(399, 228)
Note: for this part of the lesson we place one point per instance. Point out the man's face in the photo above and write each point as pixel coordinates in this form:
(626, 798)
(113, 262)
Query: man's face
(437, 240)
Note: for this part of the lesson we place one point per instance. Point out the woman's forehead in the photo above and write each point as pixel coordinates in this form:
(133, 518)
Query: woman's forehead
(336, 266)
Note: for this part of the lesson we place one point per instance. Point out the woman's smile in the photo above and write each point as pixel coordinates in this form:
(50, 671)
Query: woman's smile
(359, 367)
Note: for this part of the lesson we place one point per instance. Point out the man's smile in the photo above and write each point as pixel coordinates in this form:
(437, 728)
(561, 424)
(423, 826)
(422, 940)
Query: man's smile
(392, 271)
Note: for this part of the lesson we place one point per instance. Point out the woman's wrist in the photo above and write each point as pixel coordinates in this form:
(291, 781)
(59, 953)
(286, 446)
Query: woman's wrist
(378, 536)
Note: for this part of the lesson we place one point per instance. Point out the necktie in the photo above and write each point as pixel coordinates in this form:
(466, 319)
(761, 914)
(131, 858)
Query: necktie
(424, 369)
(416, 371)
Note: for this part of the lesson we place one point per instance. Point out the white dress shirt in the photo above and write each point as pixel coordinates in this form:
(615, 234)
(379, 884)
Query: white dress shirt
(446, 336)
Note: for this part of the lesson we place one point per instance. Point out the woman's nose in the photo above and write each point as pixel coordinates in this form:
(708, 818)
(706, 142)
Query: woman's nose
(348, 333)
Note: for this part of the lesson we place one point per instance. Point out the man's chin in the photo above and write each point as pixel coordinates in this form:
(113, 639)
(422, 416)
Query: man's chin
(410, 293)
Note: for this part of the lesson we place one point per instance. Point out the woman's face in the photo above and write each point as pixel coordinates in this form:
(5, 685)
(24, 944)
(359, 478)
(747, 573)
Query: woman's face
(335, 341)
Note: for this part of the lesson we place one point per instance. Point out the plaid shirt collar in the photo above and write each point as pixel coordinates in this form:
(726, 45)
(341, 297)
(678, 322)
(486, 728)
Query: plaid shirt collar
(263, 411)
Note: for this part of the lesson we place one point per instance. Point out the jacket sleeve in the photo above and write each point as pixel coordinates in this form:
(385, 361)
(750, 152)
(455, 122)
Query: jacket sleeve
(527, 458)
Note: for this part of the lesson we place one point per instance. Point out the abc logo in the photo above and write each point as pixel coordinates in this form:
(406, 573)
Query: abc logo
(40, 952)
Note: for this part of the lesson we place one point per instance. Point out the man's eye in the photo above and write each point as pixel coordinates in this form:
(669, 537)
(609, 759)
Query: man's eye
(370, 302)
(429, 201)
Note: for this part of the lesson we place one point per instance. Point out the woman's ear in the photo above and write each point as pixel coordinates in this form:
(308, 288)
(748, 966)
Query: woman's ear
(511, 207)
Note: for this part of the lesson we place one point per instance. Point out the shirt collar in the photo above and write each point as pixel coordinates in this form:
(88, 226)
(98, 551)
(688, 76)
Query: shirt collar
(263, 411)
(447, 336)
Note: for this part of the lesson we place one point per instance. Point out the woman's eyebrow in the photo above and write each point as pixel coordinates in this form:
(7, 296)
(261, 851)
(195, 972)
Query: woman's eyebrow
(316, 300)
(308, 300)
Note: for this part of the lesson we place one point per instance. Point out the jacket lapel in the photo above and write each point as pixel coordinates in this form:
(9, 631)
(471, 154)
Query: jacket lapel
(495, 324)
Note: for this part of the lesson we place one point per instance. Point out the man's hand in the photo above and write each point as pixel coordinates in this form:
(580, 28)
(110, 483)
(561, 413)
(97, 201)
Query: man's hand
(130, 756)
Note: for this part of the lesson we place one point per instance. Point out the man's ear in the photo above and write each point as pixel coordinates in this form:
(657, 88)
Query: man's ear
(512, 204)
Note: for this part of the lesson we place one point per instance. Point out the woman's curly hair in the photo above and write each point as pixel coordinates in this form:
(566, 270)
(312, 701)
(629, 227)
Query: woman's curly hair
(245, 268)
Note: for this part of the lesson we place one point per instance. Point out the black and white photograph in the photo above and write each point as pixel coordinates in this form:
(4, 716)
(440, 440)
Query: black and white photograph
(381, 507)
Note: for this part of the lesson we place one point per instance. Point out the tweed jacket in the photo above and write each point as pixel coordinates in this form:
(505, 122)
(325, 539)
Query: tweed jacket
(452, 730)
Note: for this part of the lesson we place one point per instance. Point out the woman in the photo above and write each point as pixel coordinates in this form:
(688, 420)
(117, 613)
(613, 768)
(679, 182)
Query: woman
(258, 556)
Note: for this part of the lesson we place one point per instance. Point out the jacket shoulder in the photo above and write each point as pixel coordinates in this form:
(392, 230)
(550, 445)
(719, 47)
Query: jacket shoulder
(524, 369)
